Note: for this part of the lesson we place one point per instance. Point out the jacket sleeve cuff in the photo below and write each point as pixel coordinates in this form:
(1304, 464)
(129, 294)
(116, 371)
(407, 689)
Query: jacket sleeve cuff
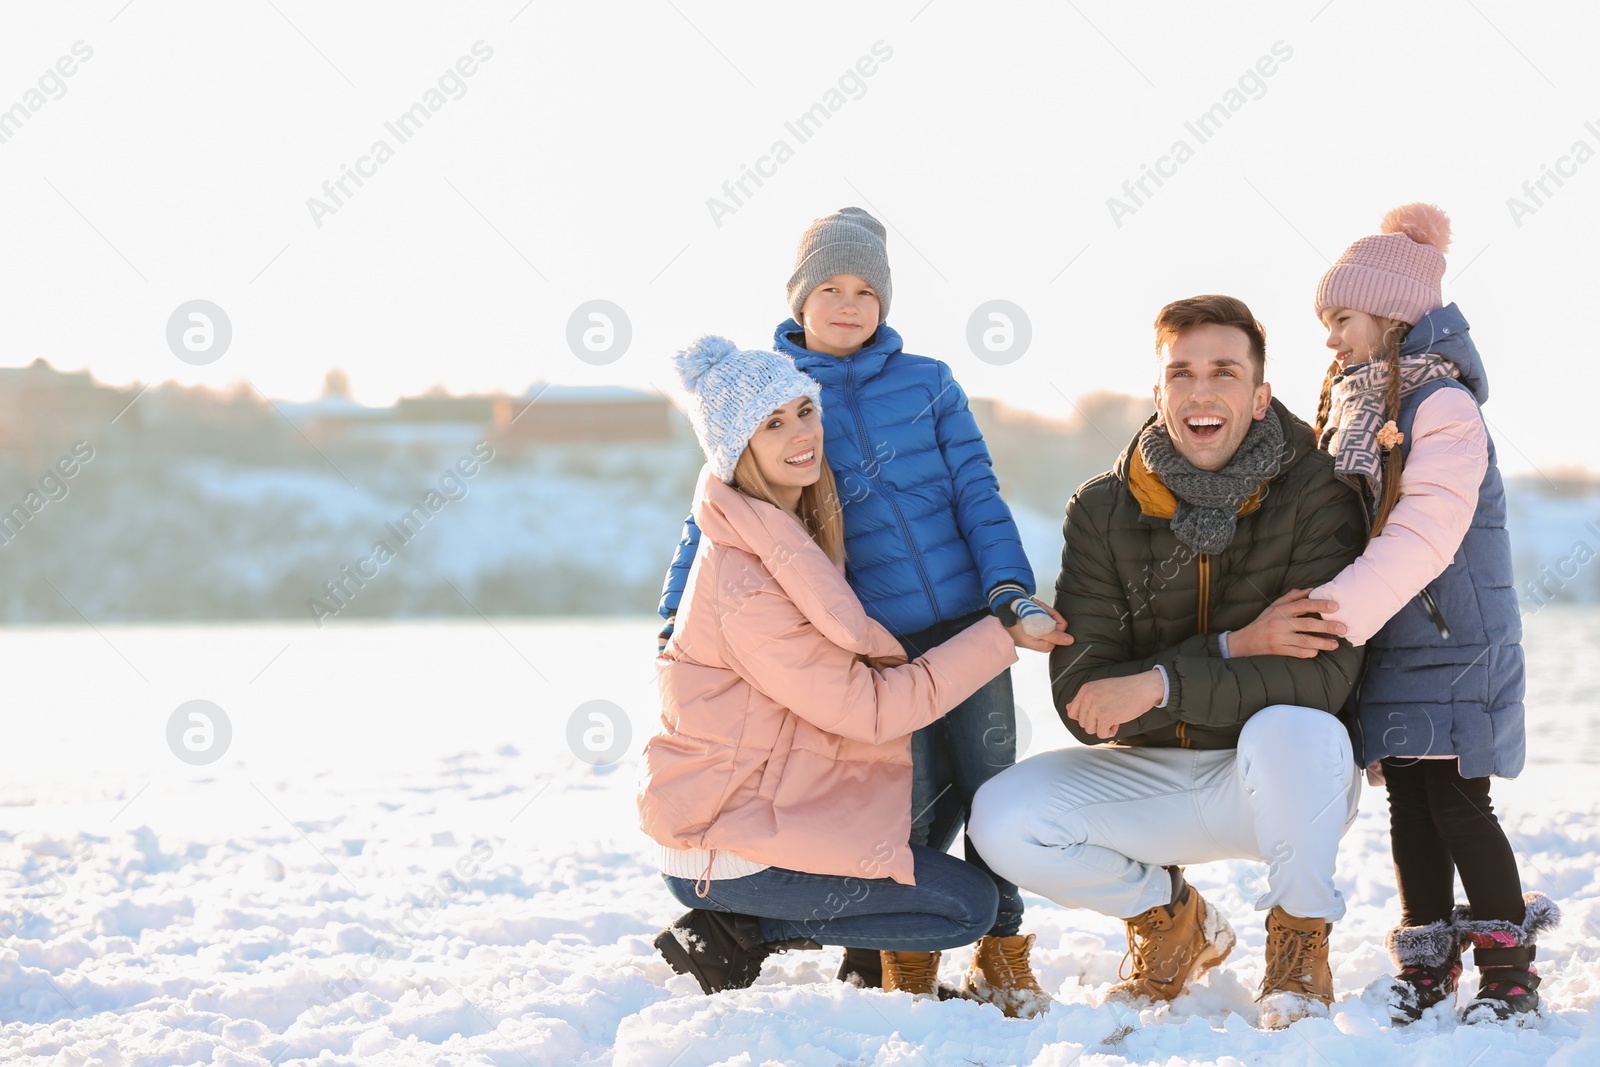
(1166, 686)
(1006, 591)
(1001, 597)
(1222, 645)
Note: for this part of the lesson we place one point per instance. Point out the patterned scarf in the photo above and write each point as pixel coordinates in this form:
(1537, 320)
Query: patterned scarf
(1209, 501)
(1357, 416)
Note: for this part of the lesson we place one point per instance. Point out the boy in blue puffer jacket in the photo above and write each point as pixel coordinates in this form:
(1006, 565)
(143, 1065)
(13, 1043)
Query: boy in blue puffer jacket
(930, 546)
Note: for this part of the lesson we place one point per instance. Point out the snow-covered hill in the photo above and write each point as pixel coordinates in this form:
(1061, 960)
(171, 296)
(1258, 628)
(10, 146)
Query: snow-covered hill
(573, 530)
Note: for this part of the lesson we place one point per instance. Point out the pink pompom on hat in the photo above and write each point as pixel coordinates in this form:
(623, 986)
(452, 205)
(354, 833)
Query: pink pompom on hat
(1394, 273)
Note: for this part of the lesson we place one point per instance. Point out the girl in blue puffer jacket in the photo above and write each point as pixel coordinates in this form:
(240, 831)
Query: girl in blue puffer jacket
(930, 546)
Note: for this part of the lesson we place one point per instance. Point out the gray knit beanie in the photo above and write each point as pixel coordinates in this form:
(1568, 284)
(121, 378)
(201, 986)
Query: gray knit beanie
(849, 241)
(733, 392)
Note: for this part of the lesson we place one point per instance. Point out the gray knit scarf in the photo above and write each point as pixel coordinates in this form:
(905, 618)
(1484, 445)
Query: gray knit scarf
(1208, 501)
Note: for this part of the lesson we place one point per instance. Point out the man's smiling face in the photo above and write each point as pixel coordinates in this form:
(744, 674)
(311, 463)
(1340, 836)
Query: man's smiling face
(1209, 393)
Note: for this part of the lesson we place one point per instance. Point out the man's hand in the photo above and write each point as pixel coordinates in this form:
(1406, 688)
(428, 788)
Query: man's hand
(1289, 627)
(1058, 636)
(1106, 703)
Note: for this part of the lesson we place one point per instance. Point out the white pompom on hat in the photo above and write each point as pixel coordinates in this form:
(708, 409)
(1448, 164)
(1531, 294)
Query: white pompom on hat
(733, 391)
(1395, 273)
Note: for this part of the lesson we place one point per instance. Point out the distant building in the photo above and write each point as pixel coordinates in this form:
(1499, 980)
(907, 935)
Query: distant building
(434, 419)
(441, 407)
(544, 415)
(574, 414)
(40, 406)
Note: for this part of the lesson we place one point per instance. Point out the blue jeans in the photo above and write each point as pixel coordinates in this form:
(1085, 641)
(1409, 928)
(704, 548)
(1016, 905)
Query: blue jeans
(953, 757)
(951, 905)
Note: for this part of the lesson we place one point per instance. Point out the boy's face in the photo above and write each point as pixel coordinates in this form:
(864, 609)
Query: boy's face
(1208, 394)
(840, 315)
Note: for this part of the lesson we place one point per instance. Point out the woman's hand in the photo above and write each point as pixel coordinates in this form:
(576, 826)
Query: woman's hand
(1289, 627)
(1055, 638)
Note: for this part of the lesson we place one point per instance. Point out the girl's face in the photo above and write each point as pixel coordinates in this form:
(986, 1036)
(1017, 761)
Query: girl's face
(840, 315)
(1354, 336)
(788, 450)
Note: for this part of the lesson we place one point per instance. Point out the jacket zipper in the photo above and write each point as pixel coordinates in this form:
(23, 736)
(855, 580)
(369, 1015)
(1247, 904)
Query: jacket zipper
(1434, 613)
(1205, 622)
(866, 451)
(1353, 706)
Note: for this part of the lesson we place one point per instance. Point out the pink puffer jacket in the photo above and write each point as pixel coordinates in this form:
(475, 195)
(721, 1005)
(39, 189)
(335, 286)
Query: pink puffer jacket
(786, 711)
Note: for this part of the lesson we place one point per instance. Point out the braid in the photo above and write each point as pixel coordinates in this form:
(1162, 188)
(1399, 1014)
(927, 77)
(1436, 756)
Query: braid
(1393, 463)
(1325, 402)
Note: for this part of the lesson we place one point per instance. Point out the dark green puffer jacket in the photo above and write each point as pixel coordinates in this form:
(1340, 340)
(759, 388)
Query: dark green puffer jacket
(1134, 596)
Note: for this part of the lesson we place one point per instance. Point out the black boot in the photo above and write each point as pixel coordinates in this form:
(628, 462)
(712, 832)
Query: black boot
(721, 949)
(863, 967)
(1428, 968)
(1504, 952)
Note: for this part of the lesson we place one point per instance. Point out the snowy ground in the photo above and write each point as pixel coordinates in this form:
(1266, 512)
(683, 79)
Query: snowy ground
(399, 860)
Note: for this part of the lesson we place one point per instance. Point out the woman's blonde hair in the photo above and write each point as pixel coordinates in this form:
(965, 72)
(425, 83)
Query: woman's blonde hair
(820, 511)
(1393, 332)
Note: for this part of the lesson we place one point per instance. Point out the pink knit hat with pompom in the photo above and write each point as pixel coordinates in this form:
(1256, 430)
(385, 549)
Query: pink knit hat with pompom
(1395, 273)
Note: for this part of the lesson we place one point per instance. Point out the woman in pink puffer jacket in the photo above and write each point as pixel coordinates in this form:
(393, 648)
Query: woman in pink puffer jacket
(778, 786)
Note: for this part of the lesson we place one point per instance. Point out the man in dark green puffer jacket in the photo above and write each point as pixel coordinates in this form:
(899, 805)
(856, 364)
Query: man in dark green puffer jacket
(1179, 564)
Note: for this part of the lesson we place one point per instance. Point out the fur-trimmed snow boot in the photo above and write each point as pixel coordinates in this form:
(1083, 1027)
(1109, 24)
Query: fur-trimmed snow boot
(1427, 963)
(1299, 982)
(721, 949)
(1508, 983)
(1002, 975)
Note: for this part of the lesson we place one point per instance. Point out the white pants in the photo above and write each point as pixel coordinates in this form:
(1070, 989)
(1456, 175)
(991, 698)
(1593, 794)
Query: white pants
(1092, 827)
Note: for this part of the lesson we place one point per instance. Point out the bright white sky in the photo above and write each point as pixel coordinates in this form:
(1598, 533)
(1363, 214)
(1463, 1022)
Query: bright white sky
(178, 162)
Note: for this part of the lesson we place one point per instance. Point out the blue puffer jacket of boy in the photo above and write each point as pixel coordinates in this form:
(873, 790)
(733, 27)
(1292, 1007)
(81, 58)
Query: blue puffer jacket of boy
(926, 533)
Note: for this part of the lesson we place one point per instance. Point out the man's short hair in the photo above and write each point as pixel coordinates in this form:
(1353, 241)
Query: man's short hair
(1180, 316)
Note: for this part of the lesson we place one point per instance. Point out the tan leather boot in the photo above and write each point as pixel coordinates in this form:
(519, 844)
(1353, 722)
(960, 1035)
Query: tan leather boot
(1170, 946)
(911, 972)
(1298, 983)
(1001, 975)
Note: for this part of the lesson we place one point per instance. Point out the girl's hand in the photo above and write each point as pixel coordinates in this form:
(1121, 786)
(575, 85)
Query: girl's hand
(1289, 627)
(1055, 638)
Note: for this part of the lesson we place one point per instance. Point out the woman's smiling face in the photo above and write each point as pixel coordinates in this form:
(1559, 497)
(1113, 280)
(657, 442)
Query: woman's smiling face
(787, 447)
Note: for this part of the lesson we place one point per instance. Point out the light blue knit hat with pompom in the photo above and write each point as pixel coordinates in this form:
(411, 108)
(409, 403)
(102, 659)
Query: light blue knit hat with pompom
(733, 391)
